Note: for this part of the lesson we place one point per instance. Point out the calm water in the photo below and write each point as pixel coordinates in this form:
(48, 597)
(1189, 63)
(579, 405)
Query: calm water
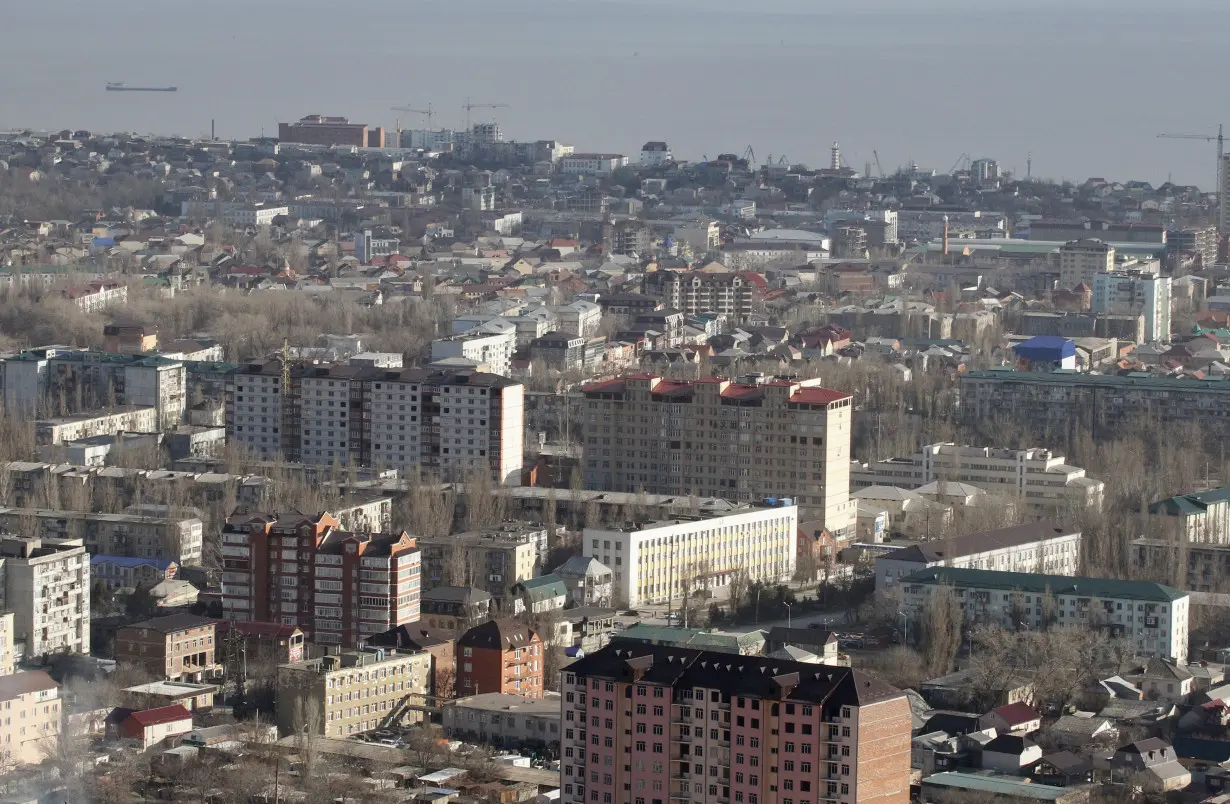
(1084, 84)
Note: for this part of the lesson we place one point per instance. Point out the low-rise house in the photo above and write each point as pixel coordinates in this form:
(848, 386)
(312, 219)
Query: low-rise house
(936, 752)
(1063, 769)
(822, 643)
(540, 595)
(588, 580)
(1011, 754)
(589, 628)
(1014, 718)
(1080, 731)
(1124, 712)
(954, 690)
(149, 727)
(1201, 755)
(1162, 680)
(504, 720)
(165, 693)
(985, 787)
(1151, 763)
(178, 647)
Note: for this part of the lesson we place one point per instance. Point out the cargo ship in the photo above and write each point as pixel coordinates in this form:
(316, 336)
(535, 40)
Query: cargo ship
(121, 87)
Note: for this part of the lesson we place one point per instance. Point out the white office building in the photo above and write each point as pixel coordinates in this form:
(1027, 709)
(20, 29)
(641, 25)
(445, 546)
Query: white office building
(1134, 293)
(1151, 616)
(655, 562)
(592, 164)
(1038, 477)
(1044, 547)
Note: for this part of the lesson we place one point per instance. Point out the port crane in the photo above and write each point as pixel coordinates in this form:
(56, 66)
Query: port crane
(469, 107)
(427, 113)
(1222, 221)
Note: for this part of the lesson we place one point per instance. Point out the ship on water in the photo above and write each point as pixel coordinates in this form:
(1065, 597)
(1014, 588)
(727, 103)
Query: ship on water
(118, 86)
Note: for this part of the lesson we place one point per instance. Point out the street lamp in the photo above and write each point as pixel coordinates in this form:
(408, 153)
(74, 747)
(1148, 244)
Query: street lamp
(789, 614)
(905, 628)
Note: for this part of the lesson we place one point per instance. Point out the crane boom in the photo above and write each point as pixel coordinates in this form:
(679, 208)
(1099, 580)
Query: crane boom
(471, 106)
(1223, 212)
(879, 167)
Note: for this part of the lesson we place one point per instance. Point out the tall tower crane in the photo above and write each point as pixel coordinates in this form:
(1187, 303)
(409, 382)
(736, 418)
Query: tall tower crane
(471, 106)
(427, 113)
(1223, 213)
(879, 167)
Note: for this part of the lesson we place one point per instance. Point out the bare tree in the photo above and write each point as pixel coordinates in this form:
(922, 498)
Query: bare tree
(306, 724)
(942, 621)
(484, 503)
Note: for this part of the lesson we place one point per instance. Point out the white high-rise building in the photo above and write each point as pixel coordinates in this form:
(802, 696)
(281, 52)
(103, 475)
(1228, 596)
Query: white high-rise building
(491, 345)
(46, 585)
(1133, 293)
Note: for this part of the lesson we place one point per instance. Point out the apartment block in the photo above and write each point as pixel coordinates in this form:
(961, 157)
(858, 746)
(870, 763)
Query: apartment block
(655, 562)
(500, 656)
(494, 560)
(299, 570)
(1200, 567)
(718, 438)
(1057, 402)
(1044, 547)
(178, 647)
(47, 588)
(1200, 517)
(353, 691)
(1135, 293)
(128, 535)
(8, 659)
(61, 381)
(1081, 260)
(489, 345)
(1151, 617)
(444, 423)
(651, 724)
(75, 427)
(728, 293)
(1037, 477)
(32, 718)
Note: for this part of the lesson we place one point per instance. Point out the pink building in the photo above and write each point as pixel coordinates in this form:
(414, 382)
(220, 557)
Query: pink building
(649, 724)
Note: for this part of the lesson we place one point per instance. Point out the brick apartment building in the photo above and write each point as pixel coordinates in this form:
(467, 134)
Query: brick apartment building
(444, 422)
(718, 438)
(500, 656)
(652, 724)
(728, 293)
(178, 647)
(295, 569)
(316, 129)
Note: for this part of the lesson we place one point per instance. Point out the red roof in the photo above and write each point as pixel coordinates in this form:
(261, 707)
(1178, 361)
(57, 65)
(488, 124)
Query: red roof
(817, 396)
(163, 714)
(255, 629)
(753, 278)
(604, 385)
(739, 391)
(1016, 713)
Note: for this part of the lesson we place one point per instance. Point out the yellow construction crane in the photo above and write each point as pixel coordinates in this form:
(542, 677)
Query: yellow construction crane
(428, 113)
(1222, 221)
(469, 107)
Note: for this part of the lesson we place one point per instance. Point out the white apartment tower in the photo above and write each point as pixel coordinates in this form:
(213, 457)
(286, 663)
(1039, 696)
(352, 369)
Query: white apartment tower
(718, 438)
(47, 588)
(1133, 293)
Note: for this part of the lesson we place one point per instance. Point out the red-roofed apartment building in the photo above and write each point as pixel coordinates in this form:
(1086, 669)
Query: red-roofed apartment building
(718, 438)
(149, 727)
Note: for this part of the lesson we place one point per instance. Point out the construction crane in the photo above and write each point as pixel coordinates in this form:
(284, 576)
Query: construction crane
(428, 113)
(1222, 222)
(962, 162)
(469, 107)
(879, 167)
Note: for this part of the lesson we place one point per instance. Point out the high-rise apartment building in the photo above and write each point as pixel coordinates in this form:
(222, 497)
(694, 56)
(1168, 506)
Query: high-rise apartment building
(655, 562)
(1134, 293)
(46, 584)
(444, 423)
(718, 438)
(652, 724)
(301, 570)
(1082, 260)
(1038, 477)
(491, 344)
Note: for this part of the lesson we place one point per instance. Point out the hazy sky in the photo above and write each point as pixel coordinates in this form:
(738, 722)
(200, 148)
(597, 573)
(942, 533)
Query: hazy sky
(1085, 85)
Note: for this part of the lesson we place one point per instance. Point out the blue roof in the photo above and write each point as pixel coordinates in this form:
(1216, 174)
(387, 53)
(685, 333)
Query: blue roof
(1046, 347)
(126, 561)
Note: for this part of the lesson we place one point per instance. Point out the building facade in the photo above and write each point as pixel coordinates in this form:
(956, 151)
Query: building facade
(592, 164)
(318, 129)
(511, 721)
(1201, 517)
(47, 588)
(491, 349)
(178, 647)
(655, 724)
(494, 560)
(718, 438)
(500, 656)
(338, 586)
(1038, 477)
(730, 294)
(1134, 293)
(1044, 547)
(656, 562)
(1081, 260)
(172, 539)
(347, 693)
(30, 728)
(1152, 617)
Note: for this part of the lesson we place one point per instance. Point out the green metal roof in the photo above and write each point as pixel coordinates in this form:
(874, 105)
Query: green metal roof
(1189, 504)
(997, 785)
(543, 587)
(1055, 584)
(1068, 377)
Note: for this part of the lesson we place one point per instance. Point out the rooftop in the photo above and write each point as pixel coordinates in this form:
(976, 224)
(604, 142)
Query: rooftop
(548, 706)
(986, 541)
(1055, 584)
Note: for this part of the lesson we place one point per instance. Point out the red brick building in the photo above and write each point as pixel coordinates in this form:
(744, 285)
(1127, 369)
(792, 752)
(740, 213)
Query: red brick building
(339, 587)
(500, 656)
(701, 727)
(318, 129)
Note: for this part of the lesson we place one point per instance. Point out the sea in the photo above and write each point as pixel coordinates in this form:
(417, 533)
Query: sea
(1068, 89)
